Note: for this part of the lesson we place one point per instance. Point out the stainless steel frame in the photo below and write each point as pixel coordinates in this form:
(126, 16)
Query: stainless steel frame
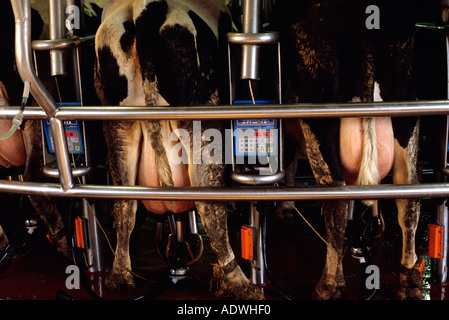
(22, 14)
(67, 187)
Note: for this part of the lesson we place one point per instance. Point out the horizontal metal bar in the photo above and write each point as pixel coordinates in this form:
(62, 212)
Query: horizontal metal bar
(42, 45)
(76, 172)
(440, 190)
(253, 38)
(229, 112)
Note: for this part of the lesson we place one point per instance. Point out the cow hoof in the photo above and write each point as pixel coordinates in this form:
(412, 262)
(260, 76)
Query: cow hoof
(235, 284)
(285, 210)
(117, 281)
(410, 284)
(328, 291)
(63, 247)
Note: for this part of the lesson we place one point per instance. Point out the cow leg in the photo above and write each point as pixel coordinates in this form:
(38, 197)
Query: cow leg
(285, 209)
(46, 207)
(335, 213)
(332, 281)
(123, 141)
(404, 172)
(228, 275)
(394, 70)
(292, 140)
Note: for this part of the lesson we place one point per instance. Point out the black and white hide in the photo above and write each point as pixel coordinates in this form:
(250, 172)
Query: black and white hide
(333, 52)
(156, 53)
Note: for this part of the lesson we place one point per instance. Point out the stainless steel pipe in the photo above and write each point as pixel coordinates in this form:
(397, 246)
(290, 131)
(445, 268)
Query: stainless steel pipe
(251, 23)
(60, 44)
(230, 112)
(22, 15)
(437, 190)
(57, 31)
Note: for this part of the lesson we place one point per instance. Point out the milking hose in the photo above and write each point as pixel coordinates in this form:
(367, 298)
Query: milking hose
(18, 119)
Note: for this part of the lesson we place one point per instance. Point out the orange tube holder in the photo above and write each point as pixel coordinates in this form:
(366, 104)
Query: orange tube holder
(420, 266)
(435, 237)
(248, 241)
(79, 232)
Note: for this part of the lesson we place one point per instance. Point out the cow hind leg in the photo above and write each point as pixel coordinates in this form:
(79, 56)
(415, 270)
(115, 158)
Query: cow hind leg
(332, 281)
(46, 207)
(120, 276)
(228, 277)
(123, 140)
(404, 172)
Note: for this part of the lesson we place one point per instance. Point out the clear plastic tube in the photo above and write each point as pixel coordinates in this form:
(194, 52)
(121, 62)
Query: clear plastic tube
(18, 119)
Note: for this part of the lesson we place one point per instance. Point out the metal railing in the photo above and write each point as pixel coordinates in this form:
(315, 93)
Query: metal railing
(67, 187)
(437, 190)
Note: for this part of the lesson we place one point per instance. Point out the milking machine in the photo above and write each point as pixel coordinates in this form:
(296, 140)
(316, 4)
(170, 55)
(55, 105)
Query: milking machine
(63, 49)
(362, 229)
(438, 230)
(179, 251)
(438, 233)
(256, 143)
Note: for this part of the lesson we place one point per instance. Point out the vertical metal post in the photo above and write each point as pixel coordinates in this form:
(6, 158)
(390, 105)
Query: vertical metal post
(251, 24)
(441, 264)
(57, 31)
(62, 154)
(94, 252)
(258, 272)
(251, 10)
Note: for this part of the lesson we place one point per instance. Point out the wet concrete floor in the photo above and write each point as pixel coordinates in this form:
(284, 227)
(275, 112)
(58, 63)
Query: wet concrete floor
(295, 258)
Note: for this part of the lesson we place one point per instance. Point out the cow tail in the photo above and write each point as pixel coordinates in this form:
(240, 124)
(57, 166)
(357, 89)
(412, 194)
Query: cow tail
(369, 173)
(162, 164)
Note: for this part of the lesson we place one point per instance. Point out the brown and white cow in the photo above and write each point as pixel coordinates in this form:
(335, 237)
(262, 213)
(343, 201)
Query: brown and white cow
(155, 53)
(333, 54)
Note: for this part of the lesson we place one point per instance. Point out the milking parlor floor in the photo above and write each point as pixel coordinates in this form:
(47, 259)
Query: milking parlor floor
(295, 257)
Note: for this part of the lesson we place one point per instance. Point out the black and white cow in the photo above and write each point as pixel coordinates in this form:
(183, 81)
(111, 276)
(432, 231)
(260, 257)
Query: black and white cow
(155, 53)
(333, 55)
